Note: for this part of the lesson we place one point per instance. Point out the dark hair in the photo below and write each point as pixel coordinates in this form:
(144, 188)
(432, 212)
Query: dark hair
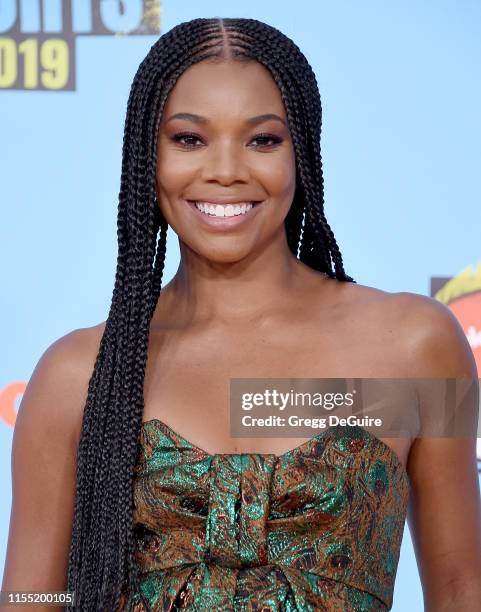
(101, 553)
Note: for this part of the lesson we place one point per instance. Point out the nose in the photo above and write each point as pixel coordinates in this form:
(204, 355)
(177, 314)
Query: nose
(225, 163)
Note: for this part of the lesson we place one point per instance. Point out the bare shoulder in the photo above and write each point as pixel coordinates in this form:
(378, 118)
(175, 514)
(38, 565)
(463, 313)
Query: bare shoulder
(434, 338)
(427, 334)
(56, 392)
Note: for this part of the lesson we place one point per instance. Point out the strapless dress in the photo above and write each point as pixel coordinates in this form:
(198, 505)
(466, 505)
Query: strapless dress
(316, 528)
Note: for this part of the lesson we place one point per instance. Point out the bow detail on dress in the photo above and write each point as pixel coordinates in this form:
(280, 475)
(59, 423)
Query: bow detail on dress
(317, 527)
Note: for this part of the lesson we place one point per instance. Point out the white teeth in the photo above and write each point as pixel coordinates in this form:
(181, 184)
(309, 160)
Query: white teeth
(218, 210)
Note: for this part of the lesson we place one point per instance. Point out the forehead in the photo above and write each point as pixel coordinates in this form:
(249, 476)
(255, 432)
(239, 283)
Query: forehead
(226, 88)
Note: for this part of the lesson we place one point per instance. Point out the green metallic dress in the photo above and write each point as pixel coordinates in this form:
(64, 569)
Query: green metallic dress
(316, 528)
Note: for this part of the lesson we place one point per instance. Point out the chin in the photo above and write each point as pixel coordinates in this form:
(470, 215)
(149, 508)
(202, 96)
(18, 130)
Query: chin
(224, 255)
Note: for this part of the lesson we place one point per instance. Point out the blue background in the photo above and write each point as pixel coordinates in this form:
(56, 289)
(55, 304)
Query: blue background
(401, 94)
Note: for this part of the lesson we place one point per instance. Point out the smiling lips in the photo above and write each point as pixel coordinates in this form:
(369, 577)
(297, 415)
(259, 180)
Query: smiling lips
(221, 210)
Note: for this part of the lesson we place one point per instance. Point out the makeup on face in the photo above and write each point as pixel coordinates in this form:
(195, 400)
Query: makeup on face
(225, 159)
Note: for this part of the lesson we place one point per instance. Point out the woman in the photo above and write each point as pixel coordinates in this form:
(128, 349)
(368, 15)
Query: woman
(224, 114)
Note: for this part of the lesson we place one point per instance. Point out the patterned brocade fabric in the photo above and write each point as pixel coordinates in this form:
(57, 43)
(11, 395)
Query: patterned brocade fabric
(317, 528)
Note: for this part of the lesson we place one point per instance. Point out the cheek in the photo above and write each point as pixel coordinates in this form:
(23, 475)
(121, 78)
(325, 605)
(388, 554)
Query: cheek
(175, 169)
(171, 175)
(280, 178)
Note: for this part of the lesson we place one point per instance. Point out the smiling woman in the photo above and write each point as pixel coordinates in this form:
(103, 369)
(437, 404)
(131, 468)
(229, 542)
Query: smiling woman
(144, 501)
(226, 174)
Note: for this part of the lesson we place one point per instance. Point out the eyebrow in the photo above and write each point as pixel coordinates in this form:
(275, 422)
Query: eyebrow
(251, 121)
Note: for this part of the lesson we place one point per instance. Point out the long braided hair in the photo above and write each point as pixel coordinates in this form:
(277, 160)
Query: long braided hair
(101, 559)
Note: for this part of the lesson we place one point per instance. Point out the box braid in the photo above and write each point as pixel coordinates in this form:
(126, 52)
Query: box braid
(101, 556)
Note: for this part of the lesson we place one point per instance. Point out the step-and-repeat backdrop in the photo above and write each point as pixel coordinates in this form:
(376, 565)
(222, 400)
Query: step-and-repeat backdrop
(400, 145)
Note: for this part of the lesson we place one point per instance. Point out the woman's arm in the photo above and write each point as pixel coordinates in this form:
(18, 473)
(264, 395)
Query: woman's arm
(445, 511)
(44, 468)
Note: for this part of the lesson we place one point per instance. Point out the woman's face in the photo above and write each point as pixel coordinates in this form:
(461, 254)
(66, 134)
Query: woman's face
(230, 145)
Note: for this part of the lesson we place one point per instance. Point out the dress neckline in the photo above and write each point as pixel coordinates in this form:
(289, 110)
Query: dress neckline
(292, 451)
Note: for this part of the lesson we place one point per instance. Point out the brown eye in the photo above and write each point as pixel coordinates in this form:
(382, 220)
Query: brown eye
(185, 136)
(264, 138)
